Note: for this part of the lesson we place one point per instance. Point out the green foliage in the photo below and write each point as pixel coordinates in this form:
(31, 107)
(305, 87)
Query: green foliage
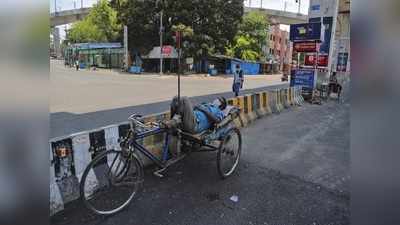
(251, 37)
(214, 23)
(185, 30)
(244, 48)
(255, 24)
(85, 31)
(100, 25)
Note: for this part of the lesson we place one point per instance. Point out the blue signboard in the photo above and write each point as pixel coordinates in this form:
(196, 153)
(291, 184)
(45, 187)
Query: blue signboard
(315, 7)
(327, 22)
(303, 78)
(305, 32)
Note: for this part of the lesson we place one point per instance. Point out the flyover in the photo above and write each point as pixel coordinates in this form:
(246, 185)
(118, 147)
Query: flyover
(280, 17)
(68, 16)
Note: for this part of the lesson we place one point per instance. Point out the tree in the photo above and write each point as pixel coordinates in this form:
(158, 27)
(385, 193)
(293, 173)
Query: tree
(141, 18)
(251, 37)
(244, 48)
(100, 25)
(214, 23)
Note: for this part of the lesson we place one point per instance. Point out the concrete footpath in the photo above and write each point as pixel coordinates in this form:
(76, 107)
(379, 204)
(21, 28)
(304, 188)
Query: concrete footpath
(294, 170)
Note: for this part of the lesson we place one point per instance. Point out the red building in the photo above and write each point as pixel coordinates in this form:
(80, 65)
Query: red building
(279, 46)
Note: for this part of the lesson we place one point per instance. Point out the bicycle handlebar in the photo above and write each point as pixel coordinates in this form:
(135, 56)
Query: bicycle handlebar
(137, 121)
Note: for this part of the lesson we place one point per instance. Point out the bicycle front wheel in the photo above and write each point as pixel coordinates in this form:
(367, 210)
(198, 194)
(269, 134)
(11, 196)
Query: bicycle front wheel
(110, 182)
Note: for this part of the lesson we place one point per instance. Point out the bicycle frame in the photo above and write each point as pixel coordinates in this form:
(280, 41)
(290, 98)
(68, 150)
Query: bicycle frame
(139, 136)
(164, 162)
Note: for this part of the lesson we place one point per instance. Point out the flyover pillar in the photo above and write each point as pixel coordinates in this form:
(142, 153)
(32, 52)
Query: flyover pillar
(56, 41)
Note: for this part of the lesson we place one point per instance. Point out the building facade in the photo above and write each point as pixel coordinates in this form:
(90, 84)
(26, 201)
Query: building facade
(279, 47)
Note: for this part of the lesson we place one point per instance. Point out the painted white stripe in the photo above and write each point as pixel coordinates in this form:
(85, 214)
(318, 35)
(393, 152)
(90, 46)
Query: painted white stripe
(82, 158)
(80, 146)
(111, 135)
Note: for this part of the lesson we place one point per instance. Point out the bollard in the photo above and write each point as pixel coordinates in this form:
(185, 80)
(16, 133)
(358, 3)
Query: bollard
(278, 101)
(284, 98)
(254, 101)
(261, 110)
(266, 102)
(291, 99)
(249, 113)
(272, 98)
(243, 110)
(235, 102)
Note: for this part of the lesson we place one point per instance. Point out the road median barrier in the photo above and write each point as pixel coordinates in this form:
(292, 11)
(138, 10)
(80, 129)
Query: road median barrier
(289, 96)
(273, 101)
(251, 107)
(70, 154)
(292, 96)
(284, 98)
(279, 101)
(261, 105)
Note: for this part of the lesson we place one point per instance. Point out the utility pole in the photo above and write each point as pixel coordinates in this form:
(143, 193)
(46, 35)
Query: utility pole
(55, 6)
(161, 41)
(178, 35)
(298, 1)
(81, 3)
(126, 60)
(261, 4)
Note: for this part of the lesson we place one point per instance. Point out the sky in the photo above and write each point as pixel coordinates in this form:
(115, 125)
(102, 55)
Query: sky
(291, 6)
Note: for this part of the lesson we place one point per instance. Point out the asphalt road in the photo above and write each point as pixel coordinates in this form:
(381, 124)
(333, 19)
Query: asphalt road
(85, 100)
(294, 170)
(86, 91)
(65, 123)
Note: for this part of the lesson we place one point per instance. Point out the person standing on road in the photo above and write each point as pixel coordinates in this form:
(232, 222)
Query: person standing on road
(241, 76)
(237, 80)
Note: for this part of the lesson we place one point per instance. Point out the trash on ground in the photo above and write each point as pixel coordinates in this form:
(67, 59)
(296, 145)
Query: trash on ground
(234, 198)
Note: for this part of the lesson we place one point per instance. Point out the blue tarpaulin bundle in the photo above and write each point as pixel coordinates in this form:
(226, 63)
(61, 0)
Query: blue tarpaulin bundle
(135, 69)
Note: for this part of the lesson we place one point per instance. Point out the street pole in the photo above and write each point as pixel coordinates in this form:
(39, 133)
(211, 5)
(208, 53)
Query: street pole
(55, 6)
(299, 6)
(179, 74)
(126, 47)
(161, 42)
(298, 1)
(178, 35)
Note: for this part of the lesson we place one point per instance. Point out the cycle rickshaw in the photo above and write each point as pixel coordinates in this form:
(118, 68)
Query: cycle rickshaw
(119, 173)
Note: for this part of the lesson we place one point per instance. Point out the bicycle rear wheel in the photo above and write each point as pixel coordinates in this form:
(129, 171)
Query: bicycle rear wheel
(110, 182)
(229, 152)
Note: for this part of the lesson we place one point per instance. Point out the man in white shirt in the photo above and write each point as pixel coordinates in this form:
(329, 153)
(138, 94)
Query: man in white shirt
(237, 80)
